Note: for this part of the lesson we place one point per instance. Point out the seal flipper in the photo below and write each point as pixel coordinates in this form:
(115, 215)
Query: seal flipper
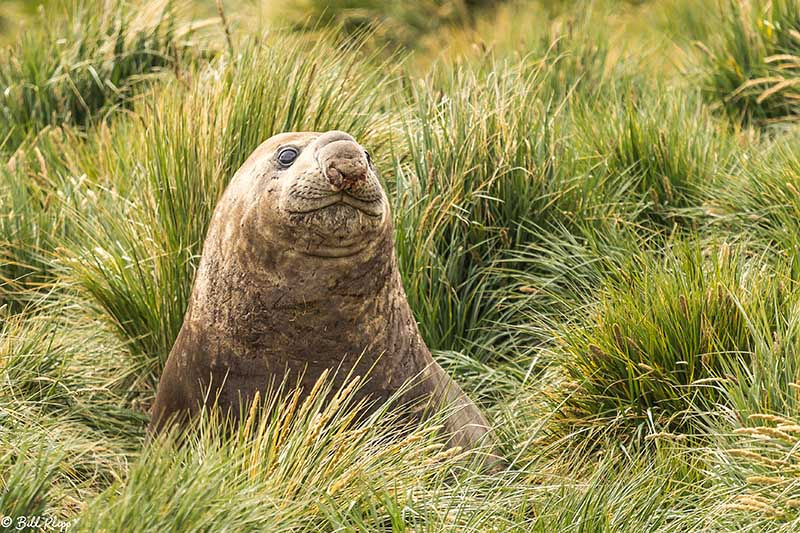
(464, 424)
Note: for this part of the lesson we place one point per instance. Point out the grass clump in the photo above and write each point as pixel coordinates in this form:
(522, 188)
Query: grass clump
(27, 234)
(660, 153)
(38, 196)
(27, 478)
(751, 67)
(562, 197)
(65, 428)
(486, 164)
(74, 67)
(396, 24)
(665, 345)
(762, 197)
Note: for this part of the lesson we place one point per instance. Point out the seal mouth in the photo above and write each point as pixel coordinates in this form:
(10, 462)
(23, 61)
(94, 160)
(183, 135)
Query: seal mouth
(372, 209)
(332, 229)
(335, 251)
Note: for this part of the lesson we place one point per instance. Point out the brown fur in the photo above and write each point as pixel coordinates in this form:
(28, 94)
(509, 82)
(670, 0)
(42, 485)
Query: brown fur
(291, 280)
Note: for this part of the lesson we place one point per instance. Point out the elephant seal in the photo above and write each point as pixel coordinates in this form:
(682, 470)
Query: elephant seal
(298, 275)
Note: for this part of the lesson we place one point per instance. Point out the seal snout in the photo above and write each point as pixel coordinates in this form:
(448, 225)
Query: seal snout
(344, 163)
(334, 170)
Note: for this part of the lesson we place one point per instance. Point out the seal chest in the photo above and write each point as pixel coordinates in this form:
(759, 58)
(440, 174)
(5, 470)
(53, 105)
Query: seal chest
(298, 276)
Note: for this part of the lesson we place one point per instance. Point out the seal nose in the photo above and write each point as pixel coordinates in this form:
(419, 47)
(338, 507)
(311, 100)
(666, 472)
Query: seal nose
(343, 162)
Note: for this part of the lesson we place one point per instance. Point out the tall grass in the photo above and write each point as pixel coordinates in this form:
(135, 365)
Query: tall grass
(762, 197)
(295, 464)
(757, 466)
(660, 151)
(33, 223)
(666, 344)
(20, 260)
(487, 163)
(75, 65)
(751, 67)
(396, 24)
(66, 430)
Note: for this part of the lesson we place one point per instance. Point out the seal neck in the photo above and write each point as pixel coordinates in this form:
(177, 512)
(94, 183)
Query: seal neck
(279, 285)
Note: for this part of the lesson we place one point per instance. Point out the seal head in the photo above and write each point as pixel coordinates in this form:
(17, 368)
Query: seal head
(314, 194)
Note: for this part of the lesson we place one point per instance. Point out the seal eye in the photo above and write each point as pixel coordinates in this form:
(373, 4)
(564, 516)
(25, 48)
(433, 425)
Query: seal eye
(287, 156)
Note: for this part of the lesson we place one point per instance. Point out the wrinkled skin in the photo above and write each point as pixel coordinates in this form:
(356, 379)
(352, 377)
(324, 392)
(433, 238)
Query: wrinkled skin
(298, 274)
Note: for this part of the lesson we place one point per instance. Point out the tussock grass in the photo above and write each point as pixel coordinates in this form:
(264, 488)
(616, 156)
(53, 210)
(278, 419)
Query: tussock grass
(397, 24)
(76, 64)
(653, 164)
(487, 162)
(668, 342)
(67, 423)
(294, 463)
(751, 66)
(757, 466)
(762, 196)
(25, 236)
(37, 193)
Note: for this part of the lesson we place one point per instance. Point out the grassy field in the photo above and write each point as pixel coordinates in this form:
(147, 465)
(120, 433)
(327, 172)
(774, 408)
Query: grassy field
(597, 215)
